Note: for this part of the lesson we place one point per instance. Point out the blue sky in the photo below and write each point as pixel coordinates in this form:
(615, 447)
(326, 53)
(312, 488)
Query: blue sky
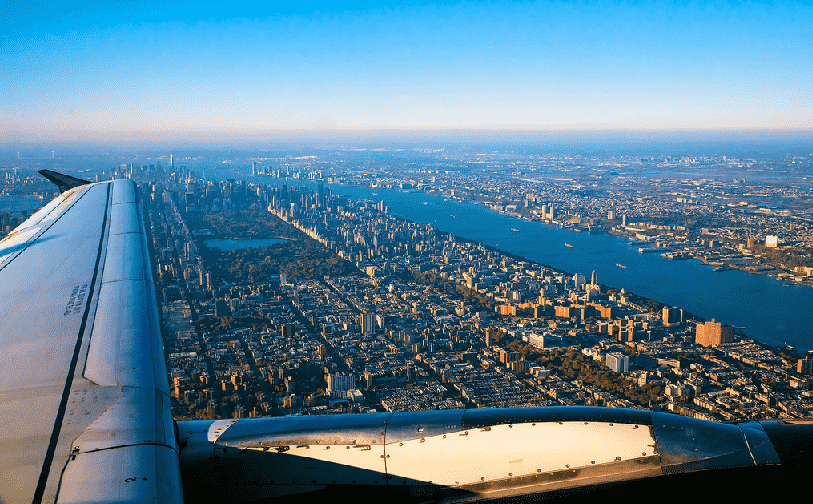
(141, 70)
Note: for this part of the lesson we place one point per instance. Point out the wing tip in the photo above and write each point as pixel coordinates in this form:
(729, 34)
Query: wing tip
(62, 181)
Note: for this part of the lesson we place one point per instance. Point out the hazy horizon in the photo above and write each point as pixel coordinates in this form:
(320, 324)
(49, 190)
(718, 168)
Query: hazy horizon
(218, 71)
(682, 143)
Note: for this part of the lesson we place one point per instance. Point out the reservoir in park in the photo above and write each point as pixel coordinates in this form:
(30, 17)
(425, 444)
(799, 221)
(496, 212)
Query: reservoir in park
(228, 245)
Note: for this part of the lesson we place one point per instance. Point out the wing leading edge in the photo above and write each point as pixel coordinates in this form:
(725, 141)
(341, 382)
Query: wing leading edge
(84, 401)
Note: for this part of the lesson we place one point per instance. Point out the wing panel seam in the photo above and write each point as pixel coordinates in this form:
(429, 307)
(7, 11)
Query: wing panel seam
(80, 452)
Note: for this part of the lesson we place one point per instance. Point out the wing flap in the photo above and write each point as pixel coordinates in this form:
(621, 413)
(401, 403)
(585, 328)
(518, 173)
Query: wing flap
(114, 357)
(137, 474)
(125, 261)
(124, 194)
(135, 418)
(127, 306)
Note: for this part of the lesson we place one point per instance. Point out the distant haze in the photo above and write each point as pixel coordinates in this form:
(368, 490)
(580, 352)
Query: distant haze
(219, 72)
(712, 142)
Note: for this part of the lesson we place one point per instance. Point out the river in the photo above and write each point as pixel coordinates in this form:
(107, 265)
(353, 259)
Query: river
(771, 311)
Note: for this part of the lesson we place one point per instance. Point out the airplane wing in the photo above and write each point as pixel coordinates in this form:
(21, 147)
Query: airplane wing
(84, 400)
(85, 410)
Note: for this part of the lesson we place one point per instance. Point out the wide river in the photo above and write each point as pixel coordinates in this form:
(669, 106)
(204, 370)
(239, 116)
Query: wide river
(771, 311)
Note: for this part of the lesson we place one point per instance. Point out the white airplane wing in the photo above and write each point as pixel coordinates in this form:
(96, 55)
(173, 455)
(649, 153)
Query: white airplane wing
(84, 401)
(85, 409)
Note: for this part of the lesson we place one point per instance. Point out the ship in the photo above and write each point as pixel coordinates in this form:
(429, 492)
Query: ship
(515, 230)
(620, 265)
(568, 245)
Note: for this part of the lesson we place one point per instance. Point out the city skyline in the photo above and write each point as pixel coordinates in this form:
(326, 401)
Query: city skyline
(232, 72)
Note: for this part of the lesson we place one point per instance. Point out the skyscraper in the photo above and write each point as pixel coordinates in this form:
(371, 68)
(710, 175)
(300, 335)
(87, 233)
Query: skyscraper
(367, 323)
(672, 316)
(618, 362)
(338, 384)
(805, 366)
(714, 333)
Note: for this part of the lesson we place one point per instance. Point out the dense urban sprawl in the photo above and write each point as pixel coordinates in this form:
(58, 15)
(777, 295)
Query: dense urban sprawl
(341, 307)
